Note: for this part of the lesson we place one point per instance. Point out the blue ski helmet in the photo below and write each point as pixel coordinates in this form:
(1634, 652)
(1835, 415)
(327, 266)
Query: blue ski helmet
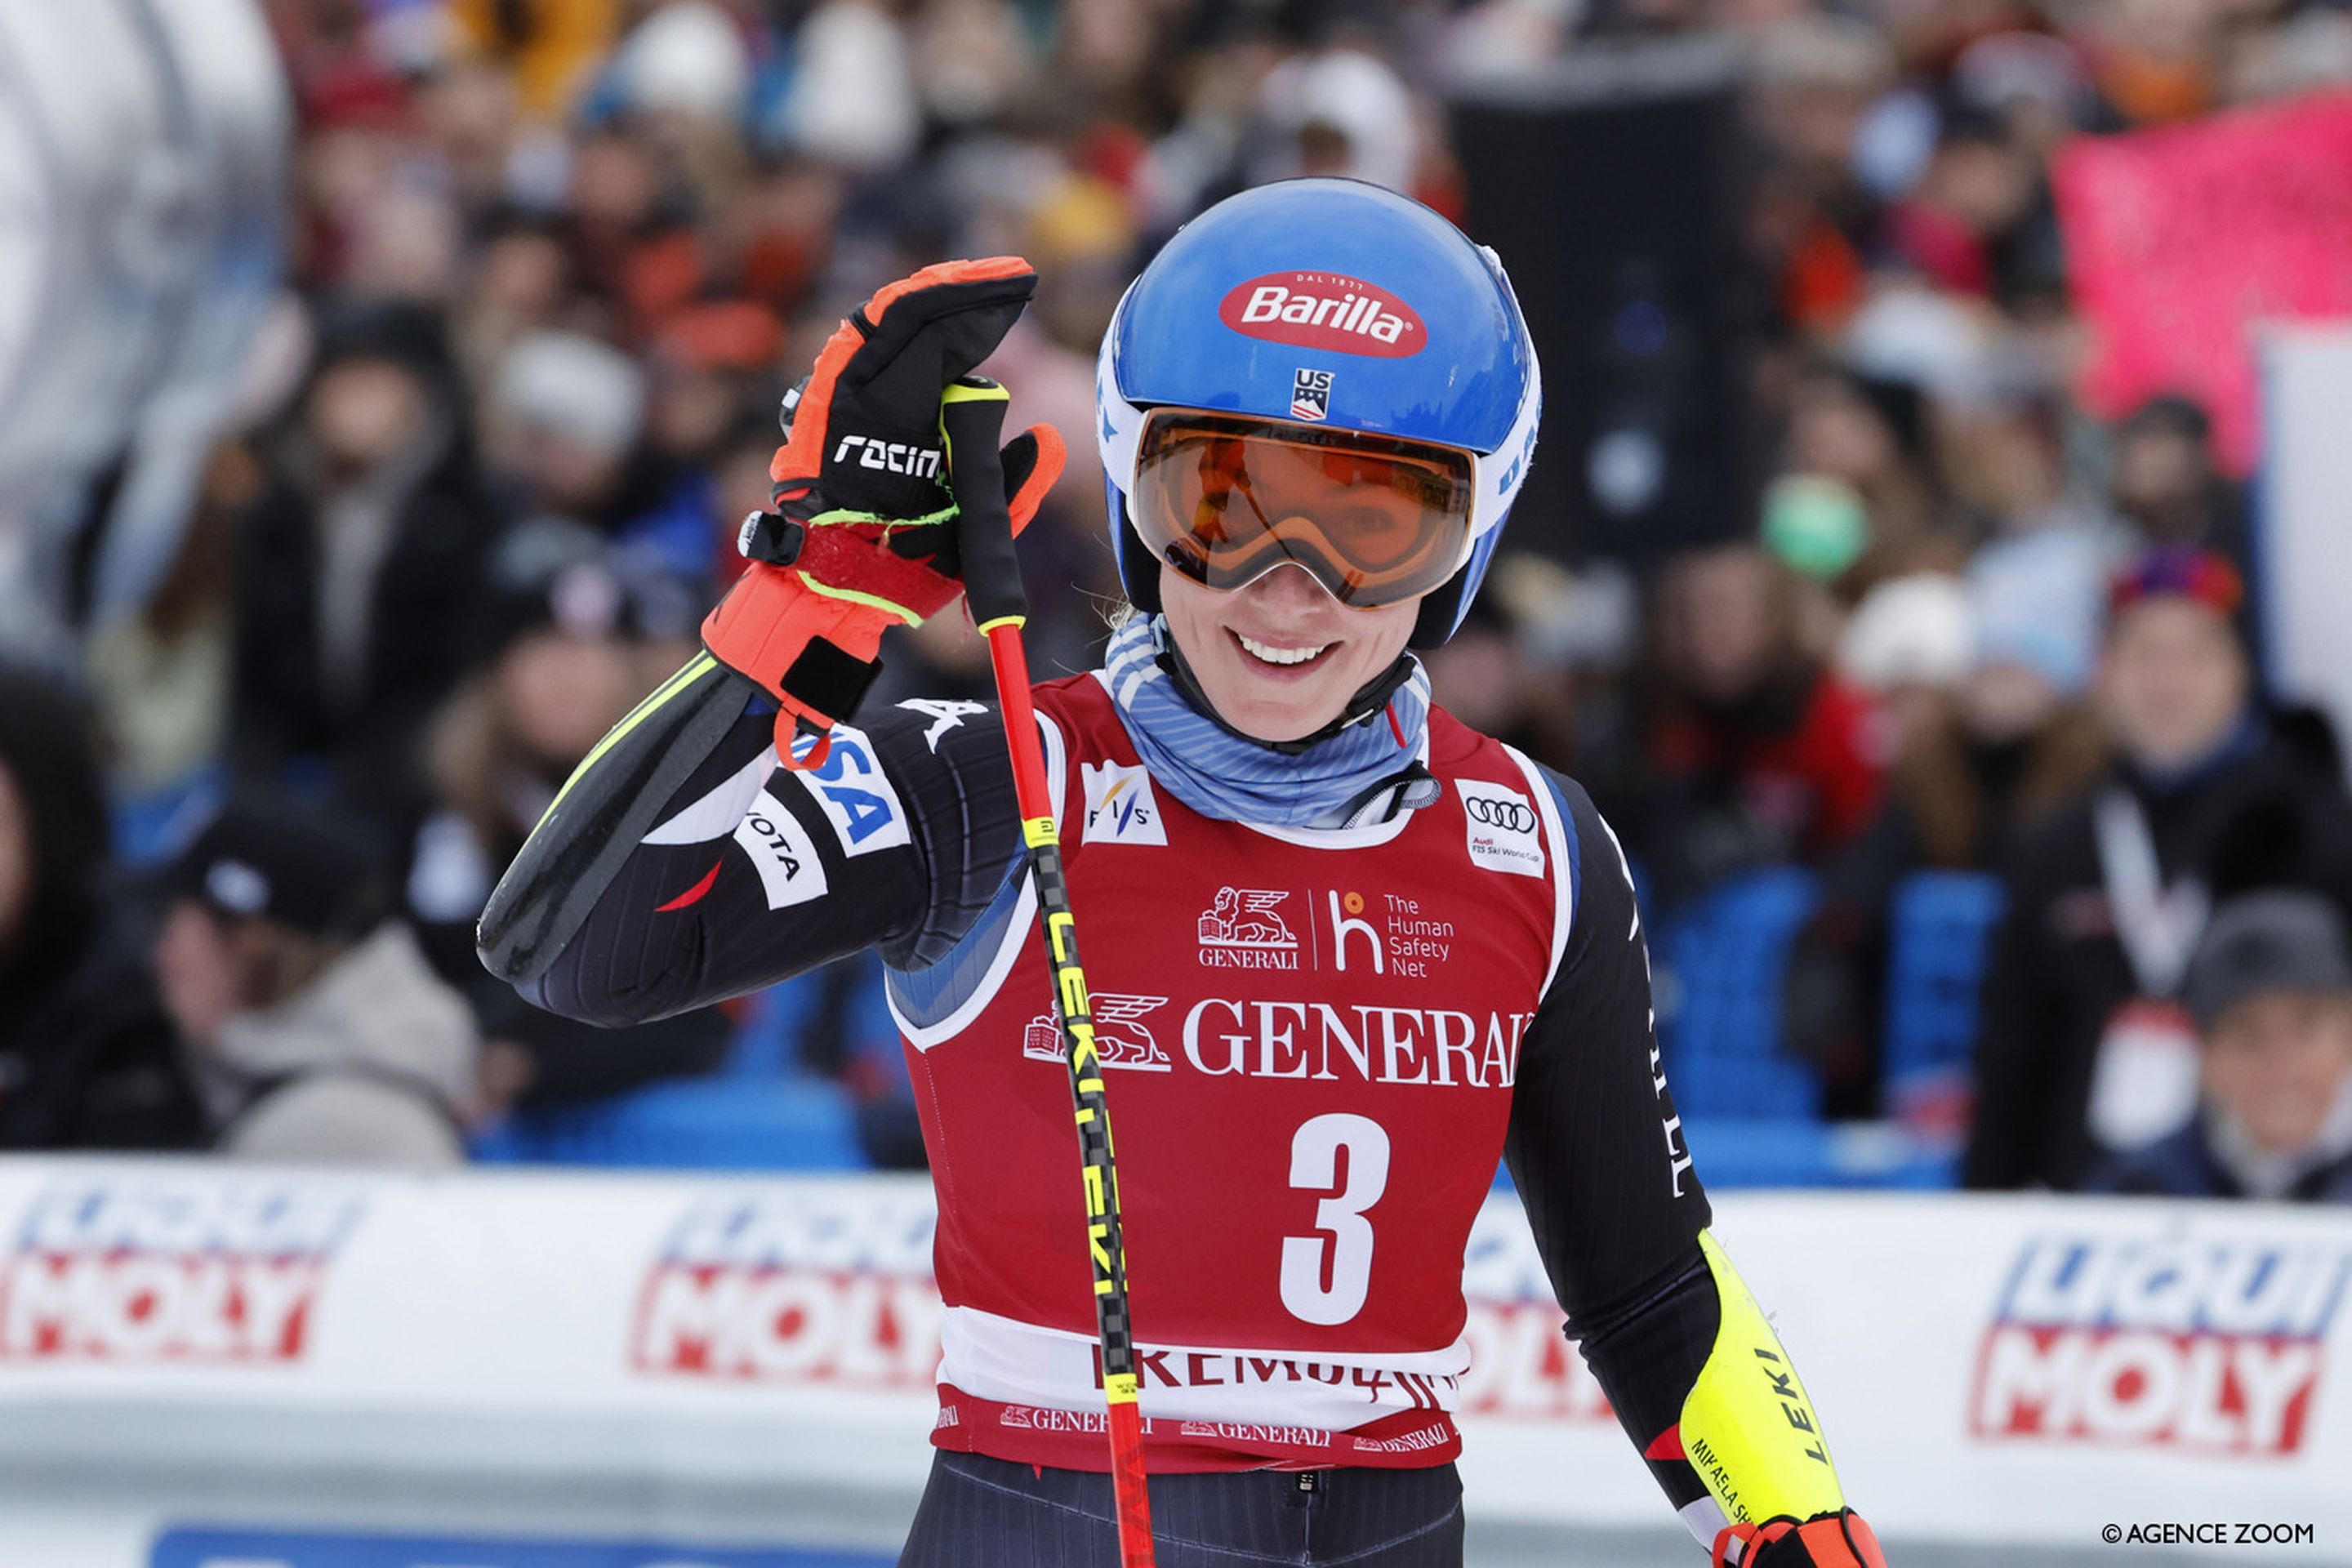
(1329, 302)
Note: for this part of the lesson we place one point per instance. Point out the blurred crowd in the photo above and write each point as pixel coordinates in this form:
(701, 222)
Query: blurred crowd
(553, 263)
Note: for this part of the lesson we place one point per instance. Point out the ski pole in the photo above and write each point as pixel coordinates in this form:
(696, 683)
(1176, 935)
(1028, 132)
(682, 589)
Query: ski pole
(972, 420)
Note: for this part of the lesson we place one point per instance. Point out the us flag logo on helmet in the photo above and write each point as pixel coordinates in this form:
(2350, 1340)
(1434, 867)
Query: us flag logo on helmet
(1311, 395)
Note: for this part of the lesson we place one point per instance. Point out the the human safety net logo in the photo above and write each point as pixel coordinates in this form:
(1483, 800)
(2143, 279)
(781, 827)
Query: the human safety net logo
(831, 1289)
(172, 1269)
(2217, 1345)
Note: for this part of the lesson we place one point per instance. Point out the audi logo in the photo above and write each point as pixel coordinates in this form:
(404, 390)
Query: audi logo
(1507, 815)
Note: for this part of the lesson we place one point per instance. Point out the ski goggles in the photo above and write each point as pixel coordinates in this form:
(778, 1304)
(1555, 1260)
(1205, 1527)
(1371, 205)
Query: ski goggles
(1225, 498)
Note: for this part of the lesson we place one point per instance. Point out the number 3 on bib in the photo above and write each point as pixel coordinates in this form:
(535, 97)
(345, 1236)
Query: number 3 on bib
(1339, 1219)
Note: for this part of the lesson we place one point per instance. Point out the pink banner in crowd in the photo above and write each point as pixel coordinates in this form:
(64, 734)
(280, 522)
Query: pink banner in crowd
(2177, 239)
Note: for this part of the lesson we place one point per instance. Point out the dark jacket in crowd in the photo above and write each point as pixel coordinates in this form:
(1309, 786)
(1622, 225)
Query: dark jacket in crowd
(1954, 803)
(1788, 772)
(2185, 1164)
(347, 671)
(2269, 813)
(88, 1057)
(466, 819)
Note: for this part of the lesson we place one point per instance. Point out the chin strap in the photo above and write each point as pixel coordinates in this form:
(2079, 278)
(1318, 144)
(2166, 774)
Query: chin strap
(1410, 788)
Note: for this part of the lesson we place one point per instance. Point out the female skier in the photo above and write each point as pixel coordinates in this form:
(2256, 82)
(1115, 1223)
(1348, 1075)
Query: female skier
(1346, 952)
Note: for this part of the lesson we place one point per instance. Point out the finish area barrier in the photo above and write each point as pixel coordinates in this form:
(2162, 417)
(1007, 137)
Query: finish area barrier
(206, 1365)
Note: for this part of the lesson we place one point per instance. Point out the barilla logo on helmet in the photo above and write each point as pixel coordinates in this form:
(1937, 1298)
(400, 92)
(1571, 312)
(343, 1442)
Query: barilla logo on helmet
(1324, 311)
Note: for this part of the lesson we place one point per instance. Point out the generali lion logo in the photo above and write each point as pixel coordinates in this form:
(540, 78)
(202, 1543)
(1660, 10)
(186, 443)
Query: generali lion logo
(1121, 1040)
(1243, 929)
(1324, 311)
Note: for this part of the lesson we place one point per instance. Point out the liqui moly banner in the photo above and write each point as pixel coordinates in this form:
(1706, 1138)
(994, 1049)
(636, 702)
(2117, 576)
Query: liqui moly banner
(2218, 1345)
(761, 1288)
(170, 1268)
(2025, 1371)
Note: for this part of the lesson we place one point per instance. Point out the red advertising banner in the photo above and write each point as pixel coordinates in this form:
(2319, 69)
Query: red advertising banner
(2178, 239)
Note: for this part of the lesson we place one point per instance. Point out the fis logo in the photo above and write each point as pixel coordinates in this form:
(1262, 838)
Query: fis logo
(831, 1290)
(1311, 395)
(2213, 1345)
(1120, 1038)
(170, 1270)
(1120, 806)
(891, 457)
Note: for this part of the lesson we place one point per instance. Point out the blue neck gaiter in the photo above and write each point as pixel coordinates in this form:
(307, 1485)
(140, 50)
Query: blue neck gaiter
(1221, 775)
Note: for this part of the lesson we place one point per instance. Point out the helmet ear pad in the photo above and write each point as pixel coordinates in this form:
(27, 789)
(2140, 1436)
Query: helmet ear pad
(1442, 607)
(1138, 569)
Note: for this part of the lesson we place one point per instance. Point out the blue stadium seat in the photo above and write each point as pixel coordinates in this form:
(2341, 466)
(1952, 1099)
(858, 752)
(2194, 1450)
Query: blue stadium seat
(1719, 962)
(790, 1124)
(1751, 1152)
(846, 995)
(151, 829)
(1941, 926)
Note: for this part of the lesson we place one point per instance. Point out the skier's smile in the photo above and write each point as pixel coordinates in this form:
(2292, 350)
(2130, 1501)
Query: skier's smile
(1279, 658)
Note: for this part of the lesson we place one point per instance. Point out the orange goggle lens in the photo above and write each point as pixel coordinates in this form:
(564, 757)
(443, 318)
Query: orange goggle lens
(1225, 498)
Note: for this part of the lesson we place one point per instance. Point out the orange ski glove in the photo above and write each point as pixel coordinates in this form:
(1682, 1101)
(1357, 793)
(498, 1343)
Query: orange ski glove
(862, 536)
(1840, 1540)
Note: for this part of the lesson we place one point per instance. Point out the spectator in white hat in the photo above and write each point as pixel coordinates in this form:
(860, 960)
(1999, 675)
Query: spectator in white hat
(564, 417)
(1987, 743)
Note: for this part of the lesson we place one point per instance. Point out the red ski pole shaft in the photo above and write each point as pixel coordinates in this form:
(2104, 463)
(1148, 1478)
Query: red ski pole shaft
(972, 424)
